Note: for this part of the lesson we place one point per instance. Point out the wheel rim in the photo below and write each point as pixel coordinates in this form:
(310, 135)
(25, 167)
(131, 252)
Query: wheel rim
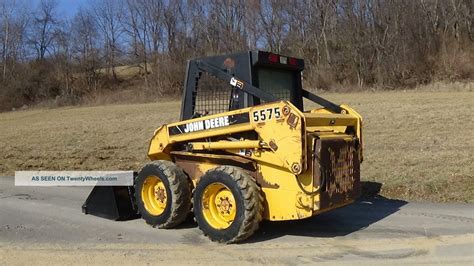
(218, 206)
(154, 195)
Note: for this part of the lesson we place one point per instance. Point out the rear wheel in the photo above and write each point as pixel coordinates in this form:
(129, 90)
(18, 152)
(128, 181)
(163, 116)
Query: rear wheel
(228, 204)
(163, 194)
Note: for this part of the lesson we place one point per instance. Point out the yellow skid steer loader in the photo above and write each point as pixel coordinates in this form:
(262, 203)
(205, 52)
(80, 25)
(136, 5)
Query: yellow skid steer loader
(245, 149)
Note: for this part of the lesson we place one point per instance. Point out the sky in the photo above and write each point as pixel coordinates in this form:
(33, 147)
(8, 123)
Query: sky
(66, 7)
(69, 7)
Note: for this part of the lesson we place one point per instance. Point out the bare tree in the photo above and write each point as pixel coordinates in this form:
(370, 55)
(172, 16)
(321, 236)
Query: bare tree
(43, 27)
(6, 12)
(85, 49)
(274, 23)
(109, 16)
(140, 24)
(228, 21)
(63, 55)
(365, 43)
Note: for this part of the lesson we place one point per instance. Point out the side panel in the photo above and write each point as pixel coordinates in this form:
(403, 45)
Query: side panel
(285, 200)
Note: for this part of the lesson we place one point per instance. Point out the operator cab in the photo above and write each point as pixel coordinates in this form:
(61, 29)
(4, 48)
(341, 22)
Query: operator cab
(279, 76)
(274, 74)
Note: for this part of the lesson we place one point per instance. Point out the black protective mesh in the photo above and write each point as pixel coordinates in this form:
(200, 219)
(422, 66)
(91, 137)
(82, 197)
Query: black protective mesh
(213, 95)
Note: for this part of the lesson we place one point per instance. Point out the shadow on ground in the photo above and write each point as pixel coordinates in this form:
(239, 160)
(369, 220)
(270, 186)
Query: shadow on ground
(369, 209)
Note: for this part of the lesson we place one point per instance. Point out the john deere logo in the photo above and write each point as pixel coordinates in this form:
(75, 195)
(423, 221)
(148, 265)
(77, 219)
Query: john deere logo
(207, 124)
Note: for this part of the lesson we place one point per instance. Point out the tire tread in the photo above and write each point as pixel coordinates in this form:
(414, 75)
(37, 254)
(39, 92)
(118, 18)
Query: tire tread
(180, 190)
(253, 201)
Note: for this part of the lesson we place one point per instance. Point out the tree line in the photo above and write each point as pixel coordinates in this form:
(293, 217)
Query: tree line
(346, 43)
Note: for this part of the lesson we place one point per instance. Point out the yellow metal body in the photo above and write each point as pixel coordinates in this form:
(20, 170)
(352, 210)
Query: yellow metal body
(225, 145)
(282, 151)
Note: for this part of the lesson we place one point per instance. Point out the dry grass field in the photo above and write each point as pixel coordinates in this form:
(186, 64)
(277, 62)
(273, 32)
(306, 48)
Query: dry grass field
(127, 71)
(418, 144)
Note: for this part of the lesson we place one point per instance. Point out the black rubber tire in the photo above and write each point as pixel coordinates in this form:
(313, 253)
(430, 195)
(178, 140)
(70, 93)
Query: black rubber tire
(178, 189)
(248, 198)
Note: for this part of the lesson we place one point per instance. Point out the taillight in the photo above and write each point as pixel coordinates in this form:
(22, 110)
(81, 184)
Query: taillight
(292, 61)
(273, 58)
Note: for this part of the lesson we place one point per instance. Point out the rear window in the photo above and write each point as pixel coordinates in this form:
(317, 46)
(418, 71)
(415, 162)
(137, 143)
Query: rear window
(277, 82)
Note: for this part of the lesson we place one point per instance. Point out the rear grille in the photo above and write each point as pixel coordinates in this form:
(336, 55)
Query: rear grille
(336, 170)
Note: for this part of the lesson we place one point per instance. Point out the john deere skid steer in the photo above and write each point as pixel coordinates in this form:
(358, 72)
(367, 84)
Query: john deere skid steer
(245, 149)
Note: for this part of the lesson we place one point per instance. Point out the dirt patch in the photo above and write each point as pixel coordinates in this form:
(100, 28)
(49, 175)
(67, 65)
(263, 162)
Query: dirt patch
(346, 251)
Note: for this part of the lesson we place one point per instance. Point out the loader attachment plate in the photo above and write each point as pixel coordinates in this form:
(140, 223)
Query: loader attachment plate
(336, 171)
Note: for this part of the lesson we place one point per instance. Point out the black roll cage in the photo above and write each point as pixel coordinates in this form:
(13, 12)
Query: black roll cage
(196, 67)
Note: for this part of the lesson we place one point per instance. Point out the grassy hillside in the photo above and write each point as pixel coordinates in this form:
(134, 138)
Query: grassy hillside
(419, 145)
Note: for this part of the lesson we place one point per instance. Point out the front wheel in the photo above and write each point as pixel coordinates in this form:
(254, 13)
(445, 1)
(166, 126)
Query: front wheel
(228, 204)
(163, 194)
